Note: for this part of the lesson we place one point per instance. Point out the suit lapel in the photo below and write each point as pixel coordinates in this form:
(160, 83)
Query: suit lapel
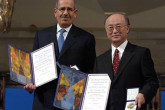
(108, 64)
(53, 38)
(127, 55)
(71, 38)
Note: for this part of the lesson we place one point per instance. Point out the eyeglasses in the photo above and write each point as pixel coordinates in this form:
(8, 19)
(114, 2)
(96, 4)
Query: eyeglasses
(68, 9)
(118, 27)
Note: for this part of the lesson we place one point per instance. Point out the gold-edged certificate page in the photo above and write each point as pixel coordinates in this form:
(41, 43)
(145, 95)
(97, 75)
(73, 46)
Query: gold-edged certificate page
(37, 67)
(80, 91)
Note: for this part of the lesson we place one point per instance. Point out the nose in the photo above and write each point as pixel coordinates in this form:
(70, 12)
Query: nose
(66, 12)
(115, 30)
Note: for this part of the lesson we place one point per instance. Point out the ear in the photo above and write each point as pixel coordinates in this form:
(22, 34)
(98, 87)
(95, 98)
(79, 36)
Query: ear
(128, 28)
(55, 11)
(75, 13)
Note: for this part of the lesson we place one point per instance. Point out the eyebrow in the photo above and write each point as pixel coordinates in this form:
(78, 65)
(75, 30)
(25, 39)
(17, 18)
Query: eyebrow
(115, 24)
(67, 7)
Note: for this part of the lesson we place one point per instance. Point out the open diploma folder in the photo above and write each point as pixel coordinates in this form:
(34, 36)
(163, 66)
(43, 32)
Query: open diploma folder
(80, 91)
(37, 67)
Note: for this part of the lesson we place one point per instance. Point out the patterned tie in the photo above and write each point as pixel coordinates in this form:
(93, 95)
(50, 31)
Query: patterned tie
(61, 40)
(116, 61)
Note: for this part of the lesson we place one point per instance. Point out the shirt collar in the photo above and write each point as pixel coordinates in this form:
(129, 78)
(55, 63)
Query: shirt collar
(121, 48)
(66, 29)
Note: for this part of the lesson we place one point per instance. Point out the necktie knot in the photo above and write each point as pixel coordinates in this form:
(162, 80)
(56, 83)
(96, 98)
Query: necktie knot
(61, 40)
(62, 31)
(116, 51)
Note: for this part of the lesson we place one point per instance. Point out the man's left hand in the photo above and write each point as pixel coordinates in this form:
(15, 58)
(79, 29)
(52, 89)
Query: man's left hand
(140, 100)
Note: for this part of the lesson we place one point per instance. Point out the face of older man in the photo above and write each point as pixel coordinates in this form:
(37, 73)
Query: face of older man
(65, 13)
(116, 29)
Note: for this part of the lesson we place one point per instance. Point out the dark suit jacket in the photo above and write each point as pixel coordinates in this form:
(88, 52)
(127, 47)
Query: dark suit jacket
(78, 49)
(136, 70)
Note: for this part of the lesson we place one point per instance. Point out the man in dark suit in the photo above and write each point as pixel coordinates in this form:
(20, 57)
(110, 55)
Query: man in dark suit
(130, 67)
(78, 49)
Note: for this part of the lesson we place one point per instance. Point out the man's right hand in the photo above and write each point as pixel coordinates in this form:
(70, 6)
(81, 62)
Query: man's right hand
(29, 87)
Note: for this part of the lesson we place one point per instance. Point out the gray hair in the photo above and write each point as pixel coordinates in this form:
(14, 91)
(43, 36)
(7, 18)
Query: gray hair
(123, 14)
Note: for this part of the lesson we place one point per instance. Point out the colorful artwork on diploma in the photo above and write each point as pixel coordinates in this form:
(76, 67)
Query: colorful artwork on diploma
(20, 67)
(20, 62)
(70, 89)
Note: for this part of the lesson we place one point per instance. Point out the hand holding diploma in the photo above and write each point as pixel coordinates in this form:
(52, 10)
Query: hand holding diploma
(30, 87)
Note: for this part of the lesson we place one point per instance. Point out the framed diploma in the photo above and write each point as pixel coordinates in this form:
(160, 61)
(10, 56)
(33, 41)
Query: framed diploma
(80, 91)
(96, 92)
(38, 67)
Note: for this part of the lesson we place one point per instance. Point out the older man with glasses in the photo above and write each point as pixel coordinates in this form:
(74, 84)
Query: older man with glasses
(130, 67)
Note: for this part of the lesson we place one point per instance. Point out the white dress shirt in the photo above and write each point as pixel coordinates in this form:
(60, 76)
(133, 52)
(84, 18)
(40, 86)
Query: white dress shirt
(65, 33)
(121, 49)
